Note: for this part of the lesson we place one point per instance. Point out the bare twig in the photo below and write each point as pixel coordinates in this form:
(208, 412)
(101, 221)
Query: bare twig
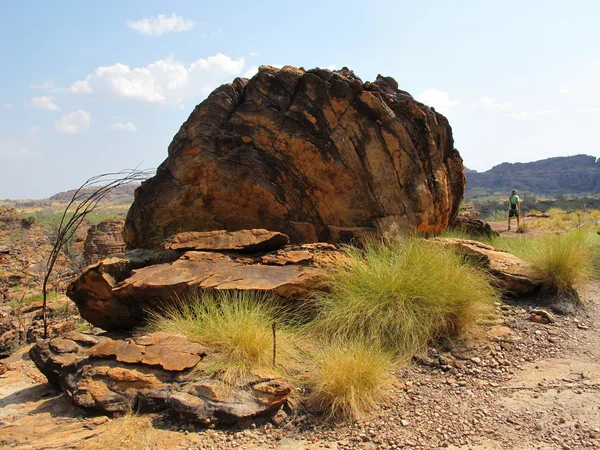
(274, 344)
(83, 204)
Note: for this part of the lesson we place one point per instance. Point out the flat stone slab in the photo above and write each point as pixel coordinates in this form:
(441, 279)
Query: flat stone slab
(257, 240)
(514, 276)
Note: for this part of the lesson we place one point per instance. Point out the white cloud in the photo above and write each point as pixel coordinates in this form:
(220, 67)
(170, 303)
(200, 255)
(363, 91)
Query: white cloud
(490, 104)
(592, 109)
(440, 100)
(47, 84)
(253, 53)
(44, 102)
(563, 88)
(81, 86)
(123, 127)
(166, 81)
(331, 67)
(18, 153)
(33, 129)
(250, 72)
(8, 105)
(156, 26)
(74, 122)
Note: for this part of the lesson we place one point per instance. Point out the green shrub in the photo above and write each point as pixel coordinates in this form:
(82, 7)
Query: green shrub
(237, 324)
(401, 295)
(348, 379)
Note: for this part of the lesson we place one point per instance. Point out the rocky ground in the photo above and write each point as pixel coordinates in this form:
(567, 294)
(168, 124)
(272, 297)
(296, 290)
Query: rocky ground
(521, 384)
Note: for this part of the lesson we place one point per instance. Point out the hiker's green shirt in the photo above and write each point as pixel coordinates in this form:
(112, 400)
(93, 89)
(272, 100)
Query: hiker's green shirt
(514, 201)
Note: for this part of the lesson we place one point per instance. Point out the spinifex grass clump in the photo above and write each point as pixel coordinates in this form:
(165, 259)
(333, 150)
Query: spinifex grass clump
(562, 261)
(348, 378)
(236, 324)
(401, 295)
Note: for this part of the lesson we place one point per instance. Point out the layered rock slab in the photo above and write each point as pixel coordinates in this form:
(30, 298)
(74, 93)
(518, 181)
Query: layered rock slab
(317, 155)
(220, 240)
(512, 275)
(120, 293)
(153, 373)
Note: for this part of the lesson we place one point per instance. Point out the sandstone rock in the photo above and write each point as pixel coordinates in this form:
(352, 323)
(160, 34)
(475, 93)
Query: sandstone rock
(118, 294)
(103, 240)
(243, 240)
(511, 274)
(155, 372)
(473, 227)
(545, 314)
(316, 155)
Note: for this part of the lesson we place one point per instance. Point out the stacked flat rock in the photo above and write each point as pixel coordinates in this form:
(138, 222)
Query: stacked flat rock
(315, 154)
(119, 293)
(153, 372)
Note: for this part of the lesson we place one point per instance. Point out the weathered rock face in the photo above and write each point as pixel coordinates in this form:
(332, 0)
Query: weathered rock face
(243, 240)
(103, 240)
(473, 227)
(154, 373)
(118, 293)
(317, 155)
(512, 275)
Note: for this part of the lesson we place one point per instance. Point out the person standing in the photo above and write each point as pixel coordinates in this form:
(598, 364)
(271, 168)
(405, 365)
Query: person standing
(514, 204)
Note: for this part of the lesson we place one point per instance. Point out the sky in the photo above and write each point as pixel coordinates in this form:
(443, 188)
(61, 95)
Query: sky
(94, 87)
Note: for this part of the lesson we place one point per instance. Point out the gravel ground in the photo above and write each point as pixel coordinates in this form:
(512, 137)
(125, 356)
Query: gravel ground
(525, 385)
(520, 384)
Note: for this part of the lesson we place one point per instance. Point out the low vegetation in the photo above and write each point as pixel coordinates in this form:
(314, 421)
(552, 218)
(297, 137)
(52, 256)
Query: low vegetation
(130, 432)
(562, 261)
(401, 295)
(348, 379)
(238, 324)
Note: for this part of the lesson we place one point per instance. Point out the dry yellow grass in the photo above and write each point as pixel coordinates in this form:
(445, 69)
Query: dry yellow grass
(130, 432)
(348, 379)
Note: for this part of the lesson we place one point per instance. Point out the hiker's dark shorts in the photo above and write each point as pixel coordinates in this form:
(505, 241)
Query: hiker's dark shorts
(513, 212)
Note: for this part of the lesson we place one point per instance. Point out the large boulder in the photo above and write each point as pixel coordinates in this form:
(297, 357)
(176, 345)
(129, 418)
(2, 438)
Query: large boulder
(156, 372)
(318, 155)
(119, 293)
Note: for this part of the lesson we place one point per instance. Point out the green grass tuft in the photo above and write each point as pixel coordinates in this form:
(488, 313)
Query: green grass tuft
(562, 261)
(401, 295)
(237, 324)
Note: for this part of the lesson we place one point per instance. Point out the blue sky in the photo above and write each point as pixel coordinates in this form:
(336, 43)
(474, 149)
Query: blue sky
(93, 87)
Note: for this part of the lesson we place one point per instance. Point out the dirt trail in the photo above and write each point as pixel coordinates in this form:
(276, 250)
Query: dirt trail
(528, 386)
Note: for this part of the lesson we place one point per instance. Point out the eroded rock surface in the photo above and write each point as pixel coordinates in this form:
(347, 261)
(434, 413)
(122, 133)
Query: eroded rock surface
(512, 275)
(317, 155)
(153, 372)
(219, 240)
(118, 293)
(103, 240)
(473, 227)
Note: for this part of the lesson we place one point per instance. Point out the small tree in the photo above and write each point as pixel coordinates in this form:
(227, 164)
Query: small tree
(82, 203)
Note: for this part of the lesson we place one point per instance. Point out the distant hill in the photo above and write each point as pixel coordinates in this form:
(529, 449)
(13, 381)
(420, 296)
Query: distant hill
(118, 195)
(121, 195)
(578, 174)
